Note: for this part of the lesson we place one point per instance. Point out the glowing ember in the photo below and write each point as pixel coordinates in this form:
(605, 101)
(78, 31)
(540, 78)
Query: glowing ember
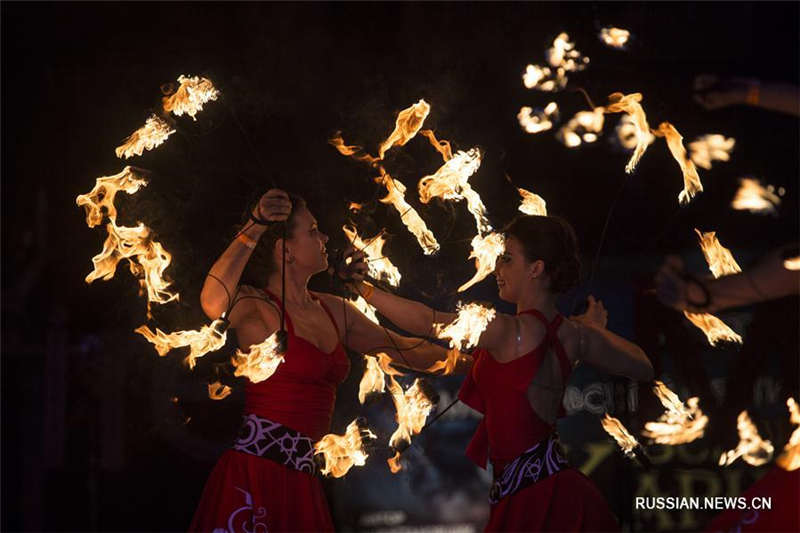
(615, 37)
(680, 423)
(447, 365)
(564, 55)
(720, 259)
(691, 181)
(369, 311)
(408, 123)
(218, 391)
(629, 103)
(190, 97)
(260, 361)
(154, 132)
(356, 152)
(752, 448)
(394, 463)
(396, 196)
(790, 458)
(541, 78)
(708, 148)
(342, 452)
(465, 331)
(532, 204)
(379, 266)
(99, 202)
(583, 127)
(540, 121)
(485, 251)
(443, 147)
(450, 182)
(754, 197)
(792, 263)
(373, 379)
(147, 259)
(627, 133)
(208, 339)
(355, 207)
(624, 439)
(413, 407)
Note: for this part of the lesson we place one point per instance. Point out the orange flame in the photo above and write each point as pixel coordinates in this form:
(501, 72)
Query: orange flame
(260, 361)
(629, 103)
(680, 423)
(99, 202)
(754, 197)
(342, 452)
(485, 251)
(218, 391)
(447, 365)
(711, 147)
(190, 97)
(615, 37)
(369, 311)
(465, 331)
(532, 204)
(450, 182)
(790, 458)
(408, 123)
(208, 339)
(355, 207)
(396, 196)
(720, 259)
(583, 127)
(793, 263)
(624, 439)
(394, 463)
(443, 147)
(379, 266)
(356, 152)
(627, 133)
(540, 121)
(715, 329)
(373, 379)
(691, 181)
(412, 406)
(752, 448)
(154, 132)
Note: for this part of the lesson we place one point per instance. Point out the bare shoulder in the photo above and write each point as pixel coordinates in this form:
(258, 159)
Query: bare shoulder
(254, 304)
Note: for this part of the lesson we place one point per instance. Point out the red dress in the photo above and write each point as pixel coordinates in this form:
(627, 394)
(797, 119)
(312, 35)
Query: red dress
(246, 492)
(564, 501)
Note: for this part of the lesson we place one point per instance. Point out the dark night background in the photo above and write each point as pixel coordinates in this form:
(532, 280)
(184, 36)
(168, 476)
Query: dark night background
(99, 433)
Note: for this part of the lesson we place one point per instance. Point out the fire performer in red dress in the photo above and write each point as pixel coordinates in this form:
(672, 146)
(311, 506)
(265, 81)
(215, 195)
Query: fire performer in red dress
(267, 482)
(518, 379)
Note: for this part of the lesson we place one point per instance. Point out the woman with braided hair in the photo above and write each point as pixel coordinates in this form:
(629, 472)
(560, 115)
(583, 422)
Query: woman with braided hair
(267, 481)
(518, 377)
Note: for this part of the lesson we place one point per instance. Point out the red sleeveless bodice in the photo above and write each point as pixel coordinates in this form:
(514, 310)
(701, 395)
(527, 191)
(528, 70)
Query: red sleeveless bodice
(302, 391)
(499, 391)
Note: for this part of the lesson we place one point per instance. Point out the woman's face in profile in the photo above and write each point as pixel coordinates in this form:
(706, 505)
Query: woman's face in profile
(307, 245)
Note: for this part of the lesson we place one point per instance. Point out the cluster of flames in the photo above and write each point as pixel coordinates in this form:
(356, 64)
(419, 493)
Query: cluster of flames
(342, 452)
(561, 57)
(615, 37)
(751, 448)
(721, 263)
(379, 266)
(584, 127)
(754, 197)
(680, 424)
(539, 120)
(532, 204)
(260, 361)
(711, 147)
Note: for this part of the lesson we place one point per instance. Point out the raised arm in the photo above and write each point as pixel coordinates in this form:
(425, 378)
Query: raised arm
(224, 275)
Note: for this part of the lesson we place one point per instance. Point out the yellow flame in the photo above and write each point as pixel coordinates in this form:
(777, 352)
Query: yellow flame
(218, 391)
(629, 103)
(615, 37)
(342, 452)
(260, 361)
(532, 204)
(99, 202)
(408, 123)
(207, 339)
(715, 329)
(394, 463)
(356, 152)
(447, 365)
(751, 448)
(450, 182)
(680, 423)
(379, 266)
(720, 259)
(190, 97)
(711, 147)
(369, 311)
(790, 458)
(792, 263)
(627, 133)
(154, 132)
(624, 439)
(465, 331)
(485, 251)
(396, 196)
(373, 379)
(412, 406)
(540, 120)
(691, 181)
(443, 147)
(583, 127)
(754, 197)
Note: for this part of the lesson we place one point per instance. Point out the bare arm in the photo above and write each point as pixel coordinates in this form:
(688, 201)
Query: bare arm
(610, 352)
